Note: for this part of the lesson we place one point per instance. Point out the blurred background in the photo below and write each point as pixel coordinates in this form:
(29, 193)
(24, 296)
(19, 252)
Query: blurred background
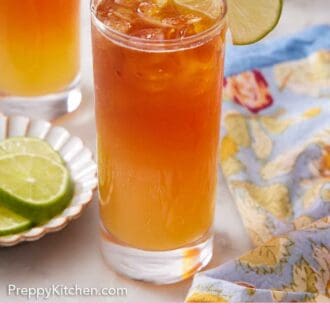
(298, 14)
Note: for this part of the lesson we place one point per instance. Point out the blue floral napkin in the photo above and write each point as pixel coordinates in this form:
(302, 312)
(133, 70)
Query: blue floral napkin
(275, 156)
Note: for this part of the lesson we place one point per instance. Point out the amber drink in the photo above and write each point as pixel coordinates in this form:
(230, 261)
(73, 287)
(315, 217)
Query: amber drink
(158, 68)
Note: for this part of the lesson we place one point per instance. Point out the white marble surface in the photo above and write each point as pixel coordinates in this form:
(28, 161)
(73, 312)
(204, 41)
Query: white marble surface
(72, 255)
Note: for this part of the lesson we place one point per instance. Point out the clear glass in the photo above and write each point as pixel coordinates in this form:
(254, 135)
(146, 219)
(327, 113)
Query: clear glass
(157, 108)
(39, 57)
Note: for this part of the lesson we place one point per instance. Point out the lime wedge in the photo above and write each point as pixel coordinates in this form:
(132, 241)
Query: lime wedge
(248, 20)
(11, 223)
(251, 20)
(28, 145)
(210, 8)
(35, 187)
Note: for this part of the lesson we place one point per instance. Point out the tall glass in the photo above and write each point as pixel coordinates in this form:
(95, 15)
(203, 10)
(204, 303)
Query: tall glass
(39, 57)
(158, 114)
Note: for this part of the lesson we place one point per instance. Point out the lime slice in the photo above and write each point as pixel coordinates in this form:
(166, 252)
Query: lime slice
(210, 8)
(28, 145)
(251, 20)
(11, 223)
(35, 187)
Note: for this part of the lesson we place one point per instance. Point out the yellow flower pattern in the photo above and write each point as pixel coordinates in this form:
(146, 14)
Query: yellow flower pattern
(268, 255)
(321, 254)
(255, 218)
(275, 124)
(232, 166)
(304, 278)
(262, 144)
(236, 126)
(206, 297)
(307, 76)
(302, 221)
(280, 165)
(312, 112)
(274, 198)
(228, 148)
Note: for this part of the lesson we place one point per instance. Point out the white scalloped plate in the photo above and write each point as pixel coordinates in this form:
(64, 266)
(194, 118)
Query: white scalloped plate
(77, 157)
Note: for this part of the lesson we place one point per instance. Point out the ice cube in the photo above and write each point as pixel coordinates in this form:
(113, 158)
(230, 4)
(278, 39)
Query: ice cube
(149, 33)
(192, 19)
(125, 3)
(124, 14)
(117, 23)
(150, 14)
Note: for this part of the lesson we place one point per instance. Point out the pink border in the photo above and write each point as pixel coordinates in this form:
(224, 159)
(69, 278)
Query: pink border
(164, 316)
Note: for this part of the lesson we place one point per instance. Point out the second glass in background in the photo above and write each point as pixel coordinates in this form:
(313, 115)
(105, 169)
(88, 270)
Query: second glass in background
(39, 57)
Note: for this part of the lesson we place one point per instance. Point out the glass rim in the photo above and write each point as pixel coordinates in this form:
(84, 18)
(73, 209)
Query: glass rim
(144, 44)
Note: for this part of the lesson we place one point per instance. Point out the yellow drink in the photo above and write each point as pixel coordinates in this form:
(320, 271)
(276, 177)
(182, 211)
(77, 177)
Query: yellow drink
(39, 46)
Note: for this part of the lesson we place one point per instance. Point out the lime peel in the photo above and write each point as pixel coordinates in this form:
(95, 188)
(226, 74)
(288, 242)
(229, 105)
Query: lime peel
(248, 20)
(12, 223)
(251, 20)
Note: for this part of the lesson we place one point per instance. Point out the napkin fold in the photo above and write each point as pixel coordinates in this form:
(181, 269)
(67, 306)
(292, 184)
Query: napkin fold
(275, 157)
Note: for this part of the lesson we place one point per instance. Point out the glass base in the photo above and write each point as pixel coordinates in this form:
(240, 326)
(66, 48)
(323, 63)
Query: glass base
(48, 107)
(159, 267)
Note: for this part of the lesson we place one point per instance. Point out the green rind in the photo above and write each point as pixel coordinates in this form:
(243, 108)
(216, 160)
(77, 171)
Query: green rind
(22, 224)
(263, 35)
(19, 229)
(39, 212)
